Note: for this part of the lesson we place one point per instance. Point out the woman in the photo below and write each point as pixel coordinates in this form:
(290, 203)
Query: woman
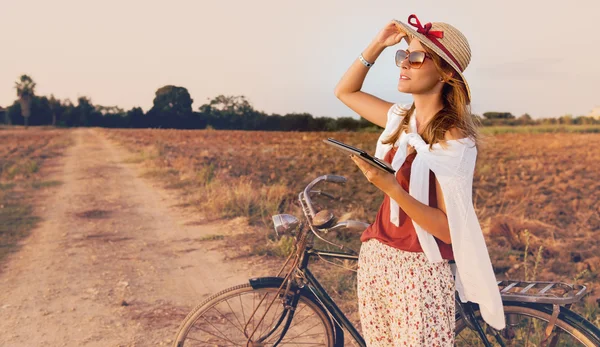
(404, 299)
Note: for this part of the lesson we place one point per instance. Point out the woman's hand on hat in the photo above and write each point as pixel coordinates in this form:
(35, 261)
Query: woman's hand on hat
(383, 180)
(390, 35)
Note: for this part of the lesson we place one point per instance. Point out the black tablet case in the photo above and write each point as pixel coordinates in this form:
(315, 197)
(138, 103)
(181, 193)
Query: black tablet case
(376, 162)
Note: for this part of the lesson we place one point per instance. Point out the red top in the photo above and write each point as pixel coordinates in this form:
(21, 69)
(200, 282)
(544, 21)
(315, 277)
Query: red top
(404, 235)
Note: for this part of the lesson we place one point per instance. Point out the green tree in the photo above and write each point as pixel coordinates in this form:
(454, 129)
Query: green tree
(136, 117)
(68, 116)
(297, 122)
(525, 119)
(348, 123)
(84, 111)
(234, 112)
(498, 115)
(55, 106)
(172, 107)
(6, 116)
(25, 92)
(231, 104)
(566, 119)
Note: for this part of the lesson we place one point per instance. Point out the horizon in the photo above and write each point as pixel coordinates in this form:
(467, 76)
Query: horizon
(593, 112)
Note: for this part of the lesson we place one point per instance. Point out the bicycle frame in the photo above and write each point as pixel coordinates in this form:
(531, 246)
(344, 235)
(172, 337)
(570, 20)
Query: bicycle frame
(339, 319)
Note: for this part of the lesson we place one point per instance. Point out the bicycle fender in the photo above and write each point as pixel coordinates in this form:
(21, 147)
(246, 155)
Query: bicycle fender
(262, 282)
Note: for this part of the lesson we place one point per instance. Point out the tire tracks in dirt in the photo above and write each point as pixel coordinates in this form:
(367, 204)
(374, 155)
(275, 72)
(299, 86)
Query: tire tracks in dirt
(113, 263)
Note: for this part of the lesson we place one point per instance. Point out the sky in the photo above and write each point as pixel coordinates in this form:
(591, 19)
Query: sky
(537, 57)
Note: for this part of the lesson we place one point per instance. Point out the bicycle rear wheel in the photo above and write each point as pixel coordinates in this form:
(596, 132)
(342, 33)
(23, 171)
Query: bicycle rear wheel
(526, 324)
(221, 321)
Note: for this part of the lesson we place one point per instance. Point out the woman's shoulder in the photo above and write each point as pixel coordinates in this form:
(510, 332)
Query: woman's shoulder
(454, 133)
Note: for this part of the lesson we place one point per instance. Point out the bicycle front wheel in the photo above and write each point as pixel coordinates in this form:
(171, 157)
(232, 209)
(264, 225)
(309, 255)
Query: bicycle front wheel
(526, 325)
(227, 319)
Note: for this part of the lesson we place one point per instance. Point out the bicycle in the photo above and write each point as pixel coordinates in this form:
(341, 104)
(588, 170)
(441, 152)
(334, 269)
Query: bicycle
(293, 308)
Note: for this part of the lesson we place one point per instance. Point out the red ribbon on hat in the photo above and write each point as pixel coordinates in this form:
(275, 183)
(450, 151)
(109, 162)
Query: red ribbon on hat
(432, 35)
(425, 30)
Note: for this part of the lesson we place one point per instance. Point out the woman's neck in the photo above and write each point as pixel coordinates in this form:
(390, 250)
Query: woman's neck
(426, 106)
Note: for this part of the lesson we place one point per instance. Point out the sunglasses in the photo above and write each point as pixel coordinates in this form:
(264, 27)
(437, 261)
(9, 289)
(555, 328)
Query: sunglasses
(415, 58)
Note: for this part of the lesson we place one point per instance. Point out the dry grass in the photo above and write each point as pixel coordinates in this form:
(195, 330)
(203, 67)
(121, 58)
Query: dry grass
(539, 129)
(22, 158)
(536, 194)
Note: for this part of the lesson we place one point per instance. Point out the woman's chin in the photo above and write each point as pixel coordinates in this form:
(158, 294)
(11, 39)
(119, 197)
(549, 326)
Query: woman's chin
(402, 88)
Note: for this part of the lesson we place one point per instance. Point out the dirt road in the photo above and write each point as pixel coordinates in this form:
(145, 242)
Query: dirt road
(114, 262)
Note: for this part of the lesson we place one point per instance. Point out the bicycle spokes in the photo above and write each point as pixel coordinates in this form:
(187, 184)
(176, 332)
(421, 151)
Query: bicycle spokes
(257, 318)
(524, 327)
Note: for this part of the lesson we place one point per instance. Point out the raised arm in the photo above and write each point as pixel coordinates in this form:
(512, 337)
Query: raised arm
(348, 89)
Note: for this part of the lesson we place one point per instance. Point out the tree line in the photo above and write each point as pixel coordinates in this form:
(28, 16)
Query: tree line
(172, 108)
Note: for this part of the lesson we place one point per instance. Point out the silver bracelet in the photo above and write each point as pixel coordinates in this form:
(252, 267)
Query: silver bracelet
(365, 63)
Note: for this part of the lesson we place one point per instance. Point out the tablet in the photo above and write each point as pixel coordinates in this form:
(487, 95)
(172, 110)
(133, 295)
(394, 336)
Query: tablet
(376, 162)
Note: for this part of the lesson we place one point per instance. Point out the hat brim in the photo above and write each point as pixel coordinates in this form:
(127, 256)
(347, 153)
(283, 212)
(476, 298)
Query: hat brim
(427, 42)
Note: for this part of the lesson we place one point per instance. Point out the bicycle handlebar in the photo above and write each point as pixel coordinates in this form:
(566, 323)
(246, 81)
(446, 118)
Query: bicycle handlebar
(309, 210)
(329, 178)
(336, 179)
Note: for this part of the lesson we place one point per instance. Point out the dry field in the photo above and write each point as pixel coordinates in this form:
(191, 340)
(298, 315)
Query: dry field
(119, 237)
(532, 192)
(22, 156)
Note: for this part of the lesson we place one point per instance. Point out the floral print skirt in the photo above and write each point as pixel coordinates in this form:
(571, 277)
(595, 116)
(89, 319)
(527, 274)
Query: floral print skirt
(403, 299)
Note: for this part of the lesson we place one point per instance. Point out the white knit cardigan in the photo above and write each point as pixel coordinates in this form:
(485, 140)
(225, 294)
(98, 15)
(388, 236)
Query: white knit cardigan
(453, 167)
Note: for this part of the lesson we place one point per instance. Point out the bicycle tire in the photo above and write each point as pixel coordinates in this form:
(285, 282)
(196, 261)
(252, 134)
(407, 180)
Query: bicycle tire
(305, 302)
(569, 322)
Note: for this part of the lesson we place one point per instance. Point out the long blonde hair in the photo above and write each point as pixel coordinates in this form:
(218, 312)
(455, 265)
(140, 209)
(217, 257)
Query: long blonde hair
(455, 113)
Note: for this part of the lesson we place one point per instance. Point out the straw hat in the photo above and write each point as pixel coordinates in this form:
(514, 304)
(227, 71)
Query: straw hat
(445, 40)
